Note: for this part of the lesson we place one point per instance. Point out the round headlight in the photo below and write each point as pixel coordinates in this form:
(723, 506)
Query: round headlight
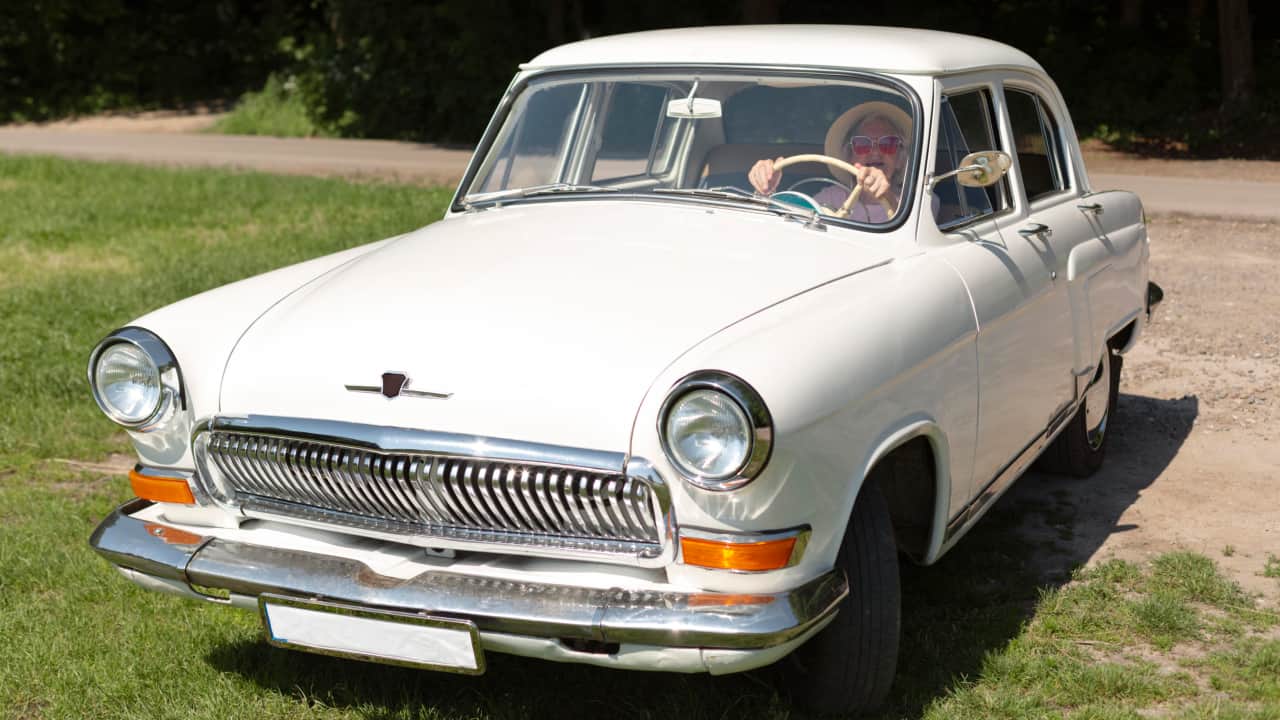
(708, 434)
(716, 430)
(127, 382)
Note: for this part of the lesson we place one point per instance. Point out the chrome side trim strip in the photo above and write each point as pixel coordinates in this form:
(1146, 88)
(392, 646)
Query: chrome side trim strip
(651, 617)
(1003, 480)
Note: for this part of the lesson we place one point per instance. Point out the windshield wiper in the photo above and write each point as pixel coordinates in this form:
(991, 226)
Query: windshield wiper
(729, 192)
(549, 189)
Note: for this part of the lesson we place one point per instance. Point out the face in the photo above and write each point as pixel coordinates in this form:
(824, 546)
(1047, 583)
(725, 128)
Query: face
(876, 127)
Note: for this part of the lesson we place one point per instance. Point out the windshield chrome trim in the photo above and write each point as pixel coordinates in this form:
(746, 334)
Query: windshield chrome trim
(522, 79)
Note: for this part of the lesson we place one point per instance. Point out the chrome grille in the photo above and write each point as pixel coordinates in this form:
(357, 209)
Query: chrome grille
(458, 498)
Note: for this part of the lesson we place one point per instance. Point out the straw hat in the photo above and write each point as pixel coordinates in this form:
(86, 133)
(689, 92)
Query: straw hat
(844, 125)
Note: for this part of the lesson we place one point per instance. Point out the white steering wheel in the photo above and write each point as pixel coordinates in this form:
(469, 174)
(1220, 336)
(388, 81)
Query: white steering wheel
(843, 210)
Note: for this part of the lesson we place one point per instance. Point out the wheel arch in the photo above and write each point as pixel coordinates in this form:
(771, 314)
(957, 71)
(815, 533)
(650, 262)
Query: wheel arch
(911, 464)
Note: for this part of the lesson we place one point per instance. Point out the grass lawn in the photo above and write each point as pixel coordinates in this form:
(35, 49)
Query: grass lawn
(87, 247)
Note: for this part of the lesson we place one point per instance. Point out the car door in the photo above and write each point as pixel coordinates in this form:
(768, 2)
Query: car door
(1058, 221)
(1022, 312)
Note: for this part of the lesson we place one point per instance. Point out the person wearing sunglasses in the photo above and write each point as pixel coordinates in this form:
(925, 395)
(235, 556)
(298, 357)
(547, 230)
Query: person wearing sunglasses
(874, 138)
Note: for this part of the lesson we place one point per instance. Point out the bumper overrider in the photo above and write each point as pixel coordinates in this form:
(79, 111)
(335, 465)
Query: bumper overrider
(639, 629)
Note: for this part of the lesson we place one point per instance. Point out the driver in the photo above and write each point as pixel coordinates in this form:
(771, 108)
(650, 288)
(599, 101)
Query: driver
(873, 137)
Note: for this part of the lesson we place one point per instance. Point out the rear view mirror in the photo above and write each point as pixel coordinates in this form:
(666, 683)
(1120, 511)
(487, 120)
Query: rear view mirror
(978, 169)
(693, 108)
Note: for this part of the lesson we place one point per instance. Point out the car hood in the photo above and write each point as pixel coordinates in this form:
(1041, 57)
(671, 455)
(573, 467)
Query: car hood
(542, 321)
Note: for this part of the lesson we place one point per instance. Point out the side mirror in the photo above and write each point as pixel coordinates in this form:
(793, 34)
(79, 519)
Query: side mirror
(978, 169)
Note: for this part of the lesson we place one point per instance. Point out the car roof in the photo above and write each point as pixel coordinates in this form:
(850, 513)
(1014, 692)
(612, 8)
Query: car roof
(884, 49)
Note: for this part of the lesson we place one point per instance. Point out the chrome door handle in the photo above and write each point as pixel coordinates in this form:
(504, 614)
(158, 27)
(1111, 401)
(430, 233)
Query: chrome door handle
(1035, 229)
(1095, 208)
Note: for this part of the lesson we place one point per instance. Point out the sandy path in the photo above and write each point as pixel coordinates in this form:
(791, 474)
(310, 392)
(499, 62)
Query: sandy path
(1194, 460)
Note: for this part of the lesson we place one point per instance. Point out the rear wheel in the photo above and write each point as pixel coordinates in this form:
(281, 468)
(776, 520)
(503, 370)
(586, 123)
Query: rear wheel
(1081, 447)
(849, 666)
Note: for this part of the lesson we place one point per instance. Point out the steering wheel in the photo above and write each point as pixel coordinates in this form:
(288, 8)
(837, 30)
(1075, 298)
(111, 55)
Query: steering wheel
(843, 211)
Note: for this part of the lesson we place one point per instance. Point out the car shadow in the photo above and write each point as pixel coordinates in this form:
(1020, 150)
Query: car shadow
(971, 603)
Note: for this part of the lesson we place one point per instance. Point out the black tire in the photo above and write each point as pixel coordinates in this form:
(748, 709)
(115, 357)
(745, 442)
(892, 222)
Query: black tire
(1080, 449)
(850, 665)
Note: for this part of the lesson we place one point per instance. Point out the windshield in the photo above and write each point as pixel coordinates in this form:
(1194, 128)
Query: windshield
(707, 135)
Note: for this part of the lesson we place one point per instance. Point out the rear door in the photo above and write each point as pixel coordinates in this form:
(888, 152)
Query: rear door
(1059, 221)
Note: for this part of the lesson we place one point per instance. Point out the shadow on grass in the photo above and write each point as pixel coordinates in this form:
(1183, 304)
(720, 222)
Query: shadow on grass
(970, 604)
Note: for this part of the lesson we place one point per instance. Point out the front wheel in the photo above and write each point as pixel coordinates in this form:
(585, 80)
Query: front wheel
(849, 666)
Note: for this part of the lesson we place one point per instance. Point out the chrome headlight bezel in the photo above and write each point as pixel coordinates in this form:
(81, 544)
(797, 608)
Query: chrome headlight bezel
(759, 428)
(171, 388)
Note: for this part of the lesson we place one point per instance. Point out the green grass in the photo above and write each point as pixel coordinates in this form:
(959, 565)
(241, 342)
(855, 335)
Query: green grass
(277, 109)
(86, 247)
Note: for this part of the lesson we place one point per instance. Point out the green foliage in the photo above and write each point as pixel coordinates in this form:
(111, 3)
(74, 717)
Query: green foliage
(433, 70)
(63, 58)
(278, 110)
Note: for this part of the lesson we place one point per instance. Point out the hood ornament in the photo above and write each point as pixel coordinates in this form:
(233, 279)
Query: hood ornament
(395, 384)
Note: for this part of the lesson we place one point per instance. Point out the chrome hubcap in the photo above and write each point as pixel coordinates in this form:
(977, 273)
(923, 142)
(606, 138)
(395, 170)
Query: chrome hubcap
(1097, 401)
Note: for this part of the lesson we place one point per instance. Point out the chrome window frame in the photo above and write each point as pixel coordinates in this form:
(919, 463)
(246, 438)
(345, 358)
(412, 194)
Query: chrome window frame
(1056, 154)
(992, 103)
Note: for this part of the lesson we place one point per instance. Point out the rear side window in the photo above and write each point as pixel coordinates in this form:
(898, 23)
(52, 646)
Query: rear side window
(966, 126)
(1040, 153)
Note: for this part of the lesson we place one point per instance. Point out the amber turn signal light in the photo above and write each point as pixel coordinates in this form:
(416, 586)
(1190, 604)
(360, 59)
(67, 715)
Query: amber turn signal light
(749, 556)
(161, 489)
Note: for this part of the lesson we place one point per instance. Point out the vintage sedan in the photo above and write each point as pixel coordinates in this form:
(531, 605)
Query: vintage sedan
(720, 323)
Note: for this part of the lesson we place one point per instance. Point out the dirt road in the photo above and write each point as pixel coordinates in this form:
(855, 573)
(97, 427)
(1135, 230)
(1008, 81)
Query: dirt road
(1194, 459)
(1221, 188)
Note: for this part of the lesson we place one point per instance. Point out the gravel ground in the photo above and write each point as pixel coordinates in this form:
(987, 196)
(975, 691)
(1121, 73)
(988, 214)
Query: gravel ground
(1194, 455)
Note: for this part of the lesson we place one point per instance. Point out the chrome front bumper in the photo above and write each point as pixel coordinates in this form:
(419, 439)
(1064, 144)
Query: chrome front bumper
(219, 569)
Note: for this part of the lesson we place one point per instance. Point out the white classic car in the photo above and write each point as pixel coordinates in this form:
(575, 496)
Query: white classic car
(720, 323)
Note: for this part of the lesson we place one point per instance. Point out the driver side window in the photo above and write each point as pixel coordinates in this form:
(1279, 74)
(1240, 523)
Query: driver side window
(966, 125)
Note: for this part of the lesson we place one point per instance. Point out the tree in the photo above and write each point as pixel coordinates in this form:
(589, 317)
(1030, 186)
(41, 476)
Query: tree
(1235, 45)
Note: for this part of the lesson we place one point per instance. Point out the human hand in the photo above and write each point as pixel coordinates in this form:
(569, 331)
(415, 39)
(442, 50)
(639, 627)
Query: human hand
(764, 178)
(872, 180)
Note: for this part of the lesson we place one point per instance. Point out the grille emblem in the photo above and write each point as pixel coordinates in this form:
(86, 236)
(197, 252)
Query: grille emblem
(395, 384)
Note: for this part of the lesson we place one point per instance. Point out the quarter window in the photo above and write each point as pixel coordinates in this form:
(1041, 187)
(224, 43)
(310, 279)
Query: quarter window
(1040, 152)
(966, 126)
(633, 132)
(532, 150)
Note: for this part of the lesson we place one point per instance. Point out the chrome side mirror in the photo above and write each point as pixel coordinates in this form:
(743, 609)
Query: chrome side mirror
(977, 169)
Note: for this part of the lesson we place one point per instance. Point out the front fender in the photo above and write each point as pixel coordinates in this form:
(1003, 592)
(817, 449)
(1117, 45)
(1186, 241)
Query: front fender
(845, 369)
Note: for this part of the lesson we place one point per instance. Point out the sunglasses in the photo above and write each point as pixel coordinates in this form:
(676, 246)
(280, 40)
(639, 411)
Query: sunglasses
(861, 145)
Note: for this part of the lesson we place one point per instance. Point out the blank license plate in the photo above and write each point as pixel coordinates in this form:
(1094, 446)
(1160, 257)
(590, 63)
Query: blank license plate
(376, 635)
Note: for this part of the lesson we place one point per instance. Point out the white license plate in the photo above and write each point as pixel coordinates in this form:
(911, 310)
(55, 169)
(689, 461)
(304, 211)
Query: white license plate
(394, 638)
